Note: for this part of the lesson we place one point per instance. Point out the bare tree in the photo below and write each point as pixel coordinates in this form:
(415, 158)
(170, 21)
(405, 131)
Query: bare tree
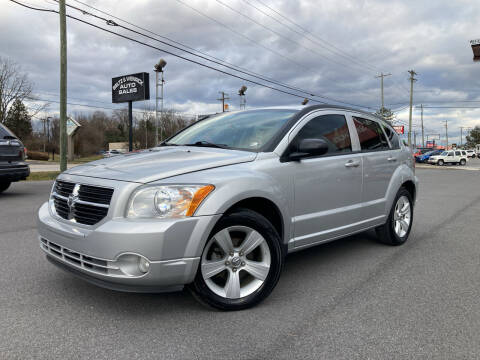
(14, 85)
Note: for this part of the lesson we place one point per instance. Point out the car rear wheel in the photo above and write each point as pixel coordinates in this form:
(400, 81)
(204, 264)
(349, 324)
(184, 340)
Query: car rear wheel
(462, 162)
(399, 223)
(4, 185)
(440, 162)
(240, 264)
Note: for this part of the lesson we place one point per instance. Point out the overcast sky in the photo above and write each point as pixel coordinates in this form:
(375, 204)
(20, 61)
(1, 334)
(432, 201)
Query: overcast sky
(333, 48)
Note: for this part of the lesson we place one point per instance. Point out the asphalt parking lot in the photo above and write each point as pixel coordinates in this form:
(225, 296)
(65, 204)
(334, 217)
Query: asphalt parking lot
(353, 298)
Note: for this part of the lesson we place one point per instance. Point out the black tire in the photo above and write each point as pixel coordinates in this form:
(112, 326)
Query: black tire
(252, 219)
(440, 162)
(386, 233)
(4, 186)
(463, 162)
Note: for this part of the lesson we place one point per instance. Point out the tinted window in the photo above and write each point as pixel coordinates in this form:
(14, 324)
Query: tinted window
(331, 128)
(450, 153)
(370, 134)
(392, 136)
(458, 153)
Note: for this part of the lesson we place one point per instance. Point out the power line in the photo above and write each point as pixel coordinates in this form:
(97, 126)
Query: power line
(219, 62)
(173, 41)
(335, 62)
(242, 35)
(235, 68)
(313, 35)
(193, 61)
(339, 52)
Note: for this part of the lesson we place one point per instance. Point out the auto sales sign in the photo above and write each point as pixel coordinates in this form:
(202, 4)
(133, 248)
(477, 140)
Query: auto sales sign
(134, 87)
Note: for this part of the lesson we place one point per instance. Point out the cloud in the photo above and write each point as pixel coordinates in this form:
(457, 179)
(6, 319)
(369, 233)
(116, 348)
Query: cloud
(363, 38)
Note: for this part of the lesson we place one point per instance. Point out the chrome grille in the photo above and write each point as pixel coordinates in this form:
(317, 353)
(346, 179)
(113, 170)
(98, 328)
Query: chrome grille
(84, 204)
(79, 260)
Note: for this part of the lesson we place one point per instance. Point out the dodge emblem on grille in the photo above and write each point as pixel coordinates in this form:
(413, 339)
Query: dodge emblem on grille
(72, 199)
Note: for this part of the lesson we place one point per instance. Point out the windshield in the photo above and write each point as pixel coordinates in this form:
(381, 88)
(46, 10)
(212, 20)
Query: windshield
(444, 153)
(246, 130)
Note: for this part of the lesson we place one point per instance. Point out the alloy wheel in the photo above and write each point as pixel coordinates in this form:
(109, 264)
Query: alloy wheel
(235, 262)
(402, 216)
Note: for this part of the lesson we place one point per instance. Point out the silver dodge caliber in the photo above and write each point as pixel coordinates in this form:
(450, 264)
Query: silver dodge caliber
(220, 204)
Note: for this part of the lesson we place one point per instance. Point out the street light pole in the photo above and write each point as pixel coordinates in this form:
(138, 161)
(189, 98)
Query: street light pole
(158, 68)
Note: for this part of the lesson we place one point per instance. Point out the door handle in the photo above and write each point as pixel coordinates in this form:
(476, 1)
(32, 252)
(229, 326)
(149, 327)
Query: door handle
(392, 159)
(352, 163)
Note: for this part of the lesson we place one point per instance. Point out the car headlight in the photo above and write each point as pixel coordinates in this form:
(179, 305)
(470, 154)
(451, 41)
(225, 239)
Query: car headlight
(167, 201)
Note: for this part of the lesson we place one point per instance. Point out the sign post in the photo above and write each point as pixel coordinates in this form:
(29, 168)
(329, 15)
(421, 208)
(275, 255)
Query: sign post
(129, 88)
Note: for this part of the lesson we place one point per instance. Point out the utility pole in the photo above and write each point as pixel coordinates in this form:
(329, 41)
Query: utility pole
(461, 133)
(446, 134)
(381, 76)
(44, 121)
(414, 138)
(423, 137)
(412, 79)
(63, 86)
(222, 99)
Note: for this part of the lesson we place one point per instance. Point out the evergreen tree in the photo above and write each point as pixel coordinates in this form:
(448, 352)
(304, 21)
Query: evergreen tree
(18, 120)
(473, 138)
(385, 113)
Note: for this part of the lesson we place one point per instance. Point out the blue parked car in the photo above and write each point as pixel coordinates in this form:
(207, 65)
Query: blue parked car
(424, 157)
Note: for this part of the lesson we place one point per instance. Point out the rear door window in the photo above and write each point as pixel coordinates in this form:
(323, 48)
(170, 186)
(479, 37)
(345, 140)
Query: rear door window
(370, 134)
(458, 153)
(331, 128)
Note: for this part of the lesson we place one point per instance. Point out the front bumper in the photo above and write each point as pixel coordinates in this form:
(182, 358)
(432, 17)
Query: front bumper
(96, 254)
(14, 171)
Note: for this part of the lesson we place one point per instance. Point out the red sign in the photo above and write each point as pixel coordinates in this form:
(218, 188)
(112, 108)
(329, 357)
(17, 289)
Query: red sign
(399, 129)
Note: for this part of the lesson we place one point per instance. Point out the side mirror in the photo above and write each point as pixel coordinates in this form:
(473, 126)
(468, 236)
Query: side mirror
(309, 147)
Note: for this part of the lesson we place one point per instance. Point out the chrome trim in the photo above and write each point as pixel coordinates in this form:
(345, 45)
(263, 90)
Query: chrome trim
(78, 201)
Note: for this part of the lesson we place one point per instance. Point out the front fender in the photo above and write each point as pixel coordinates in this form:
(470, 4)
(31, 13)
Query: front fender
(236, 183)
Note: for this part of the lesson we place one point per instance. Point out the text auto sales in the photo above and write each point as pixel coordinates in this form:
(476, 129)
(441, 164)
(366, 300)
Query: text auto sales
(127, 85)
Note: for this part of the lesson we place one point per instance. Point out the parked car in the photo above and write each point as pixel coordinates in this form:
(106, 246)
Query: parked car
(219, 205)
(12, 159)
(471, 153)
(421, 151)
(449, 157)
(111, 153)
(426, 156)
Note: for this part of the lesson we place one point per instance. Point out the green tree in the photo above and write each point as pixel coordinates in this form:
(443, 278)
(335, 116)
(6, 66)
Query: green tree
(18, 120)
(385, 113)
(473, 138)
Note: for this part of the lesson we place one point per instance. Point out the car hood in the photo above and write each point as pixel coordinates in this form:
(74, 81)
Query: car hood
(160, 163)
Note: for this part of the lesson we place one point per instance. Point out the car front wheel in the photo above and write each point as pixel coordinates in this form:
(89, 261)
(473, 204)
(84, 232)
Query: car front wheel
(440, 162)
(241, 262)
(399, 223)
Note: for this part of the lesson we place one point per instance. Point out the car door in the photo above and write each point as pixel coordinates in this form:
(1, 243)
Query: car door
(327, 188)
(379, 164)
(450, 158)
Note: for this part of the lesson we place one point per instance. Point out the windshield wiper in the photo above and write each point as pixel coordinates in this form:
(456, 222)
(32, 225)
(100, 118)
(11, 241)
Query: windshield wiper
(204, 143)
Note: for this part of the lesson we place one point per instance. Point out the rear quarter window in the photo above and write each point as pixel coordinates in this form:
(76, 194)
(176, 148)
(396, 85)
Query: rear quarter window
(392, 137)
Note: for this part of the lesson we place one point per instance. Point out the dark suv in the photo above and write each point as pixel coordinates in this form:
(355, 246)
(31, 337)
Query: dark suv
(12, 156)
